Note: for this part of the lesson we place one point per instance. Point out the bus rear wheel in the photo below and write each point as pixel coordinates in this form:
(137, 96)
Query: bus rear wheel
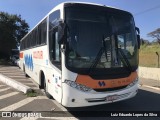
(24, 70)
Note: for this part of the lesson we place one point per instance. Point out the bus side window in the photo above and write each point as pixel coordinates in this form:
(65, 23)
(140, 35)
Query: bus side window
(57, 47)
(54, 47)
(55, 55)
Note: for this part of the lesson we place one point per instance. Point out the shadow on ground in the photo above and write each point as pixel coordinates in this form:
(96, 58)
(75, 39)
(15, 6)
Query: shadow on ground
(145, 101)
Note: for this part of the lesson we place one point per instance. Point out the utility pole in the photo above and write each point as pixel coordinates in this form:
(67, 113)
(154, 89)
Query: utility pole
(158, 58)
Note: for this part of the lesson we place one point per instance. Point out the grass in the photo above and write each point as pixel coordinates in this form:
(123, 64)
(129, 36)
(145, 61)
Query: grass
(148, 57)
(32, 93)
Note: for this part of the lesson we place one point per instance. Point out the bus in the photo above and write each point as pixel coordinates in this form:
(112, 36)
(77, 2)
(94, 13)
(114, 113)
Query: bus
(83, 54)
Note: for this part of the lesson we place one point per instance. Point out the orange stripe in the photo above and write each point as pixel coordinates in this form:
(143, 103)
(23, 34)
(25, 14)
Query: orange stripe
(21, 55)
(109, 83)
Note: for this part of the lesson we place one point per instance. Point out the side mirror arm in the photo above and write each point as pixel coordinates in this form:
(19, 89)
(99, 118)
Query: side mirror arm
(138, 37)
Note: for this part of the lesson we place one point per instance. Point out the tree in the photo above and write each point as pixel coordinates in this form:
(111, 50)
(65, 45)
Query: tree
(12, 29)
(143, 41)
(155, 34)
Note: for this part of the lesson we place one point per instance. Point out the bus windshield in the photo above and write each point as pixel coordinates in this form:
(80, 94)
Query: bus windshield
(100, 38)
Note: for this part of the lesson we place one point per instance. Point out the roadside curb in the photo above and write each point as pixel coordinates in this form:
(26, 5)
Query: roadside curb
(156, 88)
(17, 85)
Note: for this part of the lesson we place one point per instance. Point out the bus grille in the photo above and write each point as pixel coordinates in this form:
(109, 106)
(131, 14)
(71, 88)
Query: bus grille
(109, 89)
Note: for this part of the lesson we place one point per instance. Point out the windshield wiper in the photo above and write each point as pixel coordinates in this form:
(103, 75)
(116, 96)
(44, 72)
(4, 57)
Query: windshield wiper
(98, 57)
(96, 60)
(125, 60)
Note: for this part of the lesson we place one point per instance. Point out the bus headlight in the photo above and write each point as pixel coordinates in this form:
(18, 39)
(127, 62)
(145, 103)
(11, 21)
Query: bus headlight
(77, 86)
(133, 83)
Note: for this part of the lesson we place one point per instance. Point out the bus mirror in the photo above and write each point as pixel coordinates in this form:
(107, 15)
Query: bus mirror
(139, 41)
(138, 37)
(61, 29)
(138, 31)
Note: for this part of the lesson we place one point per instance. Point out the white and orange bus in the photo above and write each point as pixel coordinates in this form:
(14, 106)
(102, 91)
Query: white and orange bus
(83, 54)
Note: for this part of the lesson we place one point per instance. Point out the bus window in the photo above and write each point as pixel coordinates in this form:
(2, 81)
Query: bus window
(54, 48)
(57, 54)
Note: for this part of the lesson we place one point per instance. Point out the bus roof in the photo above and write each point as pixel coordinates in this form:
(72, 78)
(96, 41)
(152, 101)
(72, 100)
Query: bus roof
(59, 6)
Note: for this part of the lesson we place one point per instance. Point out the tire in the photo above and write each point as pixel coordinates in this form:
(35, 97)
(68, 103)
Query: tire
(45, 88)
(25, 74)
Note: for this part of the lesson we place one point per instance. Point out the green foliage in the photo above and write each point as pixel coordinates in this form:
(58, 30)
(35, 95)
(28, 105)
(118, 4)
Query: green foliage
(147, 55)
(32, 93)
(12, 29)
(150, 48)
(155, 34)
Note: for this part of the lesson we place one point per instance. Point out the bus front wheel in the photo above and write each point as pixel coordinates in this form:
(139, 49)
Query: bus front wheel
(44, 86)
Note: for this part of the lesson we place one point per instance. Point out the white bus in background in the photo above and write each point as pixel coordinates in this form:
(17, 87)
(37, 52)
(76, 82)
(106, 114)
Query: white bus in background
(83, 54)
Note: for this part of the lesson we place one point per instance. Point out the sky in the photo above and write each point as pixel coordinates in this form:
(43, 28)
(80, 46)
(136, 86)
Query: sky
(146, 12)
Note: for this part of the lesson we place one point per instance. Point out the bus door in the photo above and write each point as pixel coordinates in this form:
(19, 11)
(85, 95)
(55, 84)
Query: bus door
(55, 58)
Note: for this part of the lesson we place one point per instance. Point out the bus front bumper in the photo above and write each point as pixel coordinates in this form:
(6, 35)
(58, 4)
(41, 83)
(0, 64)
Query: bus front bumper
(75, 98)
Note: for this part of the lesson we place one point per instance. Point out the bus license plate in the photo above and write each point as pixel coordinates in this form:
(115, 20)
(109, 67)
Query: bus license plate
(112, 98)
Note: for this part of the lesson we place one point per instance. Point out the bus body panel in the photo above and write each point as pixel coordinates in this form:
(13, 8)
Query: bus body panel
(36, 62)
(54, 84)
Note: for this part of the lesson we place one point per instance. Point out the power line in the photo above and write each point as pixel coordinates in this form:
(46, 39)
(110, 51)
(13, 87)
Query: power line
(147, 10)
